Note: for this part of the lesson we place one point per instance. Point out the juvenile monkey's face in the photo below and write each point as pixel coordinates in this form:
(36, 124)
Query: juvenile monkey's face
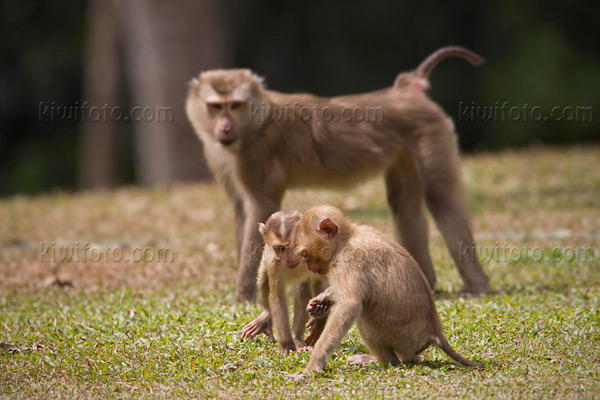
(314, 247)
(314, 261)
(316, 238)
(278, 233)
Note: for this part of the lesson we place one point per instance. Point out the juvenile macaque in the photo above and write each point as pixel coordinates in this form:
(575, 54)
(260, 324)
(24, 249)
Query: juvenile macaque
(279, 269)
(376, 283)
(259, 143)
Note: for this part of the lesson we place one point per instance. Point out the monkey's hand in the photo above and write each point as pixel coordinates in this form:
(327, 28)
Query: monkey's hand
(315, 326)
(262, 324)
(319, 306)
(298, 377)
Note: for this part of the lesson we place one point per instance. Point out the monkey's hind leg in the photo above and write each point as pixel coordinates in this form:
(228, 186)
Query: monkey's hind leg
(376, 339)
(438, 160)
(316, 327)
(361, 359)
(405, 197)
(384, 355)
(411, 359)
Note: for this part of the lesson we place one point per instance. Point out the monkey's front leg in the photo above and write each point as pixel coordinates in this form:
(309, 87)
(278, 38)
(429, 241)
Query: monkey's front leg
(338, 325)
(239, 213)
(251, 249)
(240, 219)
(281, 320)
(261, 324)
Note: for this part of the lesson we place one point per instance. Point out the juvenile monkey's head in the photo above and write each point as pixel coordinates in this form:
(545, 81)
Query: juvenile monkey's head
(219, 101)
(321, 233)
(278, 233)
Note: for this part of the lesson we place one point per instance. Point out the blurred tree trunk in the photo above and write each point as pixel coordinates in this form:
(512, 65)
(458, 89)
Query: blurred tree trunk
(98, 161)
(165, 45)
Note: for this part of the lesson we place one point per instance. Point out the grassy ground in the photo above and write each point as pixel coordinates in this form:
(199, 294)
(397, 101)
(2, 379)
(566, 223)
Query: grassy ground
(167, 329)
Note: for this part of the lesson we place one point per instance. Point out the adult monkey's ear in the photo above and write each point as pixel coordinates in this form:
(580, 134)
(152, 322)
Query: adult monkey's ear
(328, 227)
(208, 94)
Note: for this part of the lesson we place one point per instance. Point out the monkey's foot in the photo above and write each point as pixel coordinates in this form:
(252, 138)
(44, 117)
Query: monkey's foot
(319, 306)
(361, 359)
(256, 327)
(245, 294)
(287, 347)
(475, 291)
(476, 285)
(305, 349)
(298, 342)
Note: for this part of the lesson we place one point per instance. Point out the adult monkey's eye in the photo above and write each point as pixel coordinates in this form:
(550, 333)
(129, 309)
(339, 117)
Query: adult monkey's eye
(235, 105)
(215, 106)
(279, 249)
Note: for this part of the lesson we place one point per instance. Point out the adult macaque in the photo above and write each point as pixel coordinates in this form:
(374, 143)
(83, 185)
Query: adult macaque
(259, 143)
(279, 269)
(374, 282)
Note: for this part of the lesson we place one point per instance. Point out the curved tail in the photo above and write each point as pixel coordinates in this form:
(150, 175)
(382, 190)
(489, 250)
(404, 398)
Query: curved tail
(425, 68)
(442, 343)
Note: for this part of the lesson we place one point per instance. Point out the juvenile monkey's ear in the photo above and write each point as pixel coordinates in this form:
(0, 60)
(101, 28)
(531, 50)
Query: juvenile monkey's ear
(261, 228)
(328, 227)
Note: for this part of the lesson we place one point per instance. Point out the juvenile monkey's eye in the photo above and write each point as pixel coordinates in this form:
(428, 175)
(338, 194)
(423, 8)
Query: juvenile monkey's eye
(235, 105)
(279, 249)
(215, 106)
(304, 254)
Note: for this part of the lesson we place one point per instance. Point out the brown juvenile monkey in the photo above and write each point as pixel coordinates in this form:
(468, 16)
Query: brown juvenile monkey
(279, 269)
(375, 282)
(259, 143)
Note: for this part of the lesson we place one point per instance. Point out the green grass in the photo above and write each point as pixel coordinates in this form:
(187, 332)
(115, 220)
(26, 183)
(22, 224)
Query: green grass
(168, 329)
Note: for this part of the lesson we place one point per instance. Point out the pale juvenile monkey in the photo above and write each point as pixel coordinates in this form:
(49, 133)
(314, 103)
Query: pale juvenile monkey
(376, 283)
(259, 143)
(279, 269)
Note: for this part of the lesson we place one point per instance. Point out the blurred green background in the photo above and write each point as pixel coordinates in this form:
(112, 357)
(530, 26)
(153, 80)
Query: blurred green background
(64, 53)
